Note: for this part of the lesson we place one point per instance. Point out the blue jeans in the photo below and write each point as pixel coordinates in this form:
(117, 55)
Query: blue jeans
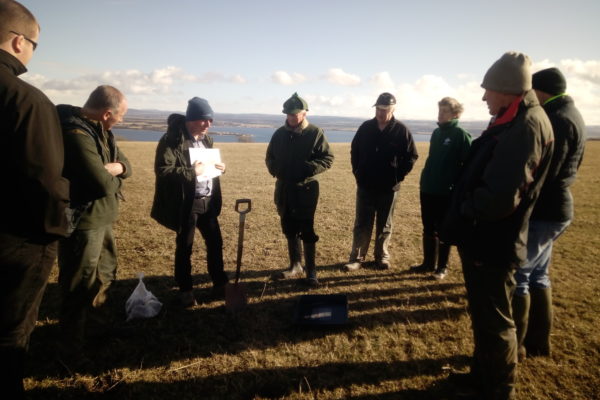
(535, 273)
(378, 209)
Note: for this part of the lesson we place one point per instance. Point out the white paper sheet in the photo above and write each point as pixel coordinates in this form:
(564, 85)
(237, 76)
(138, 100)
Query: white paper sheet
(208, 157)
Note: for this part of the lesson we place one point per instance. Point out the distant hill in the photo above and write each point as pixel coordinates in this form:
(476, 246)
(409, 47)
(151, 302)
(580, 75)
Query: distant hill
(156, 120)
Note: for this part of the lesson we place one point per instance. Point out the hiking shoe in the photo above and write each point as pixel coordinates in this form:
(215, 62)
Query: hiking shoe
(292, 272)
(421, 269)
(352, 266)
(187, 299)
(440, 274)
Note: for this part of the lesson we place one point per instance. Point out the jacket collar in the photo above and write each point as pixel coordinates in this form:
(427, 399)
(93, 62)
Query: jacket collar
(448, 124)
(299, 128)
(12, 63)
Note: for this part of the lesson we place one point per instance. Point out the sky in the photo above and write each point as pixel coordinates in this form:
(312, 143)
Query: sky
(249, 56)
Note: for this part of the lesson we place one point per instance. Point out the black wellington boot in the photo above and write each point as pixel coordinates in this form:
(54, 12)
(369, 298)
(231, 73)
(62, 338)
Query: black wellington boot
(520, 311)
(311, 268)
(430, 249)
(537, 340)
(295, 254)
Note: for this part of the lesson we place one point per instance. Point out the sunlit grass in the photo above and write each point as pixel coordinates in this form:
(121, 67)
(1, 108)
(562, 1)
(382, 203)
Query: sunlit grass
(406, 332)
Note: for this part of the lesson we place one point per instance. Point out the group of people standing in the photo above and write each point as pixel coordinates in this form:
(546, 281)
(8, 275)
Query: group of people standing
(502, 199)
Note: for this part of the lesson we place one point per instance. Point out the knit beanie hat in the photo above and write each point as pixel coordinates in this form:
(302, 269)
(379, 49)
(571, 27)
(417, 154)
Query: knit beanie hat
(198, 108)
(294, 105)
(510, 74)
(550, 81)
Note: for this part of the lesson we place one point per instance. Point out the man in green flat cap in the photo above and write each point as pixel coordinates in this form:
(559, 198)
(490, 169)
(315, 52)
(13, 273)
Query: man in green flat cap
(297, 152)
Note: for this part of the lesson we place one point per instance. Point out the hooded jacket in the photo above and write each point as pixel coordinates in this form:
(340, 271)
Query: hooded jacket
(88, 147)
(36, 194)
(175, 183)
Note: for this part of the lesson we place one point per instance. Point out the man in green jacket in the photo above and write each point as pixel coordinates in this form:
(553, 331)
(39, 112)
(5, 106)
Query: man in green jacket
(96, 167)
(489, 216)
(297, 152)
(184, 200)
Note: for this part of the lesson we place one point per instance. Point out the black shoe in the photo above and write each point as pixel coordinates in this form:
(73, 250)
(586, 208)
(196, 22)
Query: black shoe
(421, 269)
(384, 265)
(440, 274)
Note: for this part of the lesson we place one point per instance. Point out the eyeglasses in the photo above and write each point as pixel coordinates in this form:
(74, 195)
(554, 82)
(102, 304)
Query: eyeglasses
(34, 44)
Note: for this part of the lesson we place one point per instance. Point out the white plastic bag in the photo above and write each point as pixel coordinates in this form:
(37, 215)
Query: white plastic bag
(142, 303)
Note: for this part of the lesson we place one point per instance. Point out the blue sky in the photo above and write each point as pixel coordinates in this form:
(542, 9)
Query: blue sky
(249, 56)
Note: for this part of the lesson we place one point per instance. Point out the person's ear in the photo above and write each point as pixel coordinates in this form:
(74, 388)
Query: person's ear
(17, 43)
(106, 115)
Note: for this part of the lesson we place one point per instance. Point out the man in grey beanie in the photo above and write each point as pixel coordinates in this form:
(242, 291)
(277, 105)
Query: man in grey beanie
(488, 219)
(552, 214)
(183, 203)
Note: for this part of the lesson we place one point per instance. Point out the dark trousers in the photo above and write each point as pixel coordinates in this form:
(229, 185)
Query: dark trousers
(204, 219)
(489, 294)
(24, 269)
(299, 228)
(433, 211)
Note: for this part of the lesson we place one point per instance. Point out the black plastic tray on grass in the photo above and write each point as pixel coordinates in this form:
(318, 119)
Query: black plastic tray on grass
(322, 310)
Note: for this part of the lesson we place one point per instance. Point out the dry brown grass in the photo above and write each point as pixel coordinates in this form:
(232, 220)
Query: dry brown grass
(405, 332)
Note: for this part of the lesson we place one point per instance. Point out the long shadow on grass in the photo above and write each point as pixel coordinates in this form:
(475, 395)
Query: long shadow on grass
(271, 383)
(177, 335)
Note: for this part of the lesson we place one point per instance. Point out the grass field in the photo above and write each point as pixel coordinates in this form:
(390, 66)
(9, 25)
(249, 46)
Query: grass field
(406, 333)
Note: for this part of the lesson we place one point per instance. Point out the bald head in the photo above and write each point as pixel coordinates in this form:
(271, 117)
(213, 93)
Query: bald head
(106, 104)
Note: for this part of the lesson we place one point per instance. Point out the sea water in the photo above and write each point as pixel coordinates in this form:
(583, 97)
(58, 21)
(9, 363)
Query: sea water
(235, 134)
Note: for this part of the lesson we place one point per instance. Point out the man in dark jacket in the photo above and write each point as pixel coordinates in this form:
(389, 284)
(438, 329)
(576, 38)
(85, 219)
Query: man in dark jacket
(87, 259)
(184, 202)
(489, 214)
(35, 193)
(552, 214)
(297, 152)
(382, 154)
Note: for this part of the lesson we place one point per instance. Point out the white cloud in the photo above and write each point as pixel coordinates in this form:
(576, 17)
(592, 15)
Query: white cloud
(383, 81)
(340, 77)
(586, 70)
(285, 78)
(162, 82)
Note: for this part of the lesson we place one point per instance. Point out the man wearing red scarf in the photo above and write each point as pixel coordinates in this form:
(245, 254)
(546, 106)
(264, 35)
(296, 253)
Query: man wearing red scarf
(488, 219)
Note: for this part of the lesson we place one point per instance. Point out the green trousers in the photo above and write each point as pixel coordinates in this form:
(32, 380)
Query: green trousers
(87, 262)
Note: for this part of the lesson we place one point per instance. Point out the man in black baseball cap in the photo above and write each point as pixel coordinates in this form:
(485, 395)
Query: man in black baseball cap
(382, 154)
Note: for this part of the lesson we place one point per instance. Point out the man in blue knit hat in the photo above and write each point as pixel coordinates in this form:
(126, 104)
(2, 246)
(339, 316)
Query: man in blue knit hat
(184, 203)
(552, 214)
